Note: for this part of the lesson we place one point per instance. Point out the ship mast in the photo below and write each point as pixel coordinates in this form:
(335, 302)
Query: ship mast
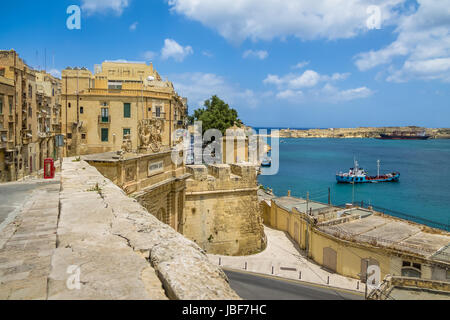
(378, 165)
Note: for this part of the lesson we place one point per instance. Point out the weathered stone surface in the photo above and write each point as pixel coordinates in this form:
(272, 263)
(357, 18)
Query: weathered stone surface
(110, 237)
(221, 212)
(26, 246)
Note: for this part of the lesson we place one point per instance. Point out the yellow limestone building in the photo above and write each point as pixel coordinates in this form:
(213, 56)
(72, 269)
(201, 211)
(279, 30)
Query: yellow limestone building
(121, 106)
(29, 117)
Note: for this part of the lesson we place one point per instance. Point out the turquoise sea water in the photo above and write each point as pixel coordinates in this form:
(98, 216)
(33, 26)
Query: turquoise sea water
(310, 165)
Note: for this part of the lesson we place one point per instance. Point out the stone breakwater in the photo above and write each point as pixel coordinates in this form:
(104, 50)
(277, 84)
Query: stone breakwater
(367, 132)
(88, 240)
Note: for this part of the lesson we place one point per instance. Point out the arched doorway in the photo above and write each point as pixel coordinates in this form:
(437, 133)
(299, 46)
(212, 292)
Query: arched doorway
(163, 216)
(330, 259)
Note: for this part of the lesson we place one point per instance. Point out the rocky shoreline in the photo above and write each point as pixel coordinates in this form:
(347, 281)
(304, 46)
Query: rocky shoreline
(367, 132)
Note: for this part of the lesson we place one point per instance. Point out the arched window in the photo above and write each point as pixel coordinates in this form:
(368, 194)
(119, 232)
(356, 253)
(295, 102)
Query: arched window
(412, 270)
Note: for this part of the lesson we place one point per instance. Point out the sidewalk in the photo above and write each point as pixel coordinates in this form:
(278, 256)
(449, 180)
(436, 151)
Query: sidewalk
(283, 258)
(27, 243)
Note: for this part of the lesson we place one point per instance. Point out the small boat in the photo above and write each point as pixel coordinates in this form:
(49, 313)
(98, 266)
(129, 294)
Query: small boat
(359, 175)
(266, 162)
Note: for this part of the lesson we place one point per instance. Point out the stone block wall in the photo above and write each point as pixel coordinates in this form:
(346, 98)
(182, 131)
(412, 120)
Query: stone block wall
(221, 212)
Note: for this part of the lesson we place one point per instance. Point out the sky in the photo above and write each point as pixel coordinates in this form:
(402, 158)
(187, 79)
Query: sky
(287, 64)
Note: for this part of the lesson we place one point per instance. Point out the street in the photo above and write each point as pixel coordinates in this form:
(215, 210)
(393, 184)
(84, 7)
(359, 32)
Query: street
(14, 195)
(256, 287)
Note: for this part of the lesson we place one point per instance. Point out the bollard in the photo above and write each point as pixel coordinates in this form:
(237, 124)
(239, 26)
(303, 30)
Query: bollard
(220, 261)
(328, 281)
(246, 266)
(272, 269)
(357, 286)
(300, 276)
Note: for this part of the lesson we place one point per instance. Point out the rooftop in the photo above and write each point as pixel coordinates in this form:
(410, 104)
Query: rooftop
(302, 205)
(384, 231)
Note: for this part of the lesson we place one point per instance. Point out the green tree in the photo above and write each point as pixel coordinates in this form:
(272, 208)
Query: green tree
(217, 115)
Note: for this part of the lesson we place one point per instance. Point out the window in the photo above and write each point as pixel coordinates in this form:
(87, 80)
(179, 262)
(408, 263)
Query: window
(81, 110)
(105, 134)
(30, 91)
(10, 101)
(83, 136)
(126, 132)
(1, 103)
(69, 136)
(105, 115)
(127, 110)
(70, 105)
(412, 270)
(112, 85)
(158, 112)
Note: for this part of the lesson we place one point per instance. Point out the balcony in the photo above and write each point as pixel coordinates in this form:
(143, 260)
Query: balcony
(161, 115)
(104, 119)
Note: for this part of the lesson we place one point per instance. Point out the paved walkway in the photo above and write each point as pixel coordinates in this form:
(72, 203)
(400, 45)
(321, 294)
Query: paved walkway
(283, 258)
(28, 242)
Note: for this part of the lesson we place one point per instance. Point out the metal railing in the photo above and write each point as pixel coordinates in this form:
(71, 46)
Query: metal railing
(104, 119)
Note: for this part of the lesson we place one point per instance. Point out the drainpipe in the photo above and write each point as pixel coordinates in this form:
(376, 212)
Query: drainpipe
(170, 123)
(66, 140)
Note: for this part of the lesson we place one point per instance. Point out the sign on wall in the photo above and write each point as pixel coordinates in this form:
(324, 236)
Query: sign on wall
(155, 167)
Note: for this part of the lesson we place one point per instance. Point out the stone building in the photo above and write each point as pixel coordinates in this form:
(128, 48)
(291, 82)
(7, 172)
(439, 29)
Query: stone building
(215, 206)
(122, 103)
(29, 117)
(349, 241)
(221, 213)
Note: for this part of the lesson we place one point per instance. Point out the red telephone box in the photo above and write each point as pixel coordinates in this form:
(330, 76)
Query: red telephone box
(49, 169)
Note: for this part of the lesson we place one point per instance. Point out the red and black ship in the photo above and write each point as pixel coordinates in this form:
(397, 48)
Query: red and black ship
(404, 136)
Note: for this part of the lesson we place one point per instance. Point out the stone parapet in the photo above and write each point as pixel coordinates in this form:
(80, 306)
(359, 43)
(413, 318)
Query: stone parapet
(123, 251)
(221, 177)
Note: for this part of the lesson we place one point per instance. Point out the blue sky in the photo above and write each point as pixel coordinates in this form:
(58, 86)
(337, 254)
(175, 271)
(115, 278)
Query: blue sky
(290, 63)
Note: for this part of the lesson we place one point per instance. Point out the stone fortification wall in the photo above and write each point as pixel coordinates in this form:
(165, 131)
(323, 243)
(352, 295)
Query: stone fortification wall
(367, 132)
(221, 212)
(124, 252)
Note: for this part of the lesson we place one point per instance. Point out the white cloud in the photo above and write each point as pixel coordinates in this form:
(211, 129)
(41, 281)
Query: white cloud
(422, 48)
(332, 94)
(269, 19)
(261, 55)
(301, 65)
(207, 54)
(306, 86)
(174, 50)
(133, 27)
(104, 6)
(289, 94)
(307, 79)
(55, 72)
(149, 55)
(198, 87)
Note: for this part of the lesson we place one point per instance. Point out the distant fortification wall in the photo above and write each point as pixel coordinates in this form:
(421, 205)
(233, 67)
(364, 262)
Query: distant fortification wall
(365, 132)
(221, 212)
